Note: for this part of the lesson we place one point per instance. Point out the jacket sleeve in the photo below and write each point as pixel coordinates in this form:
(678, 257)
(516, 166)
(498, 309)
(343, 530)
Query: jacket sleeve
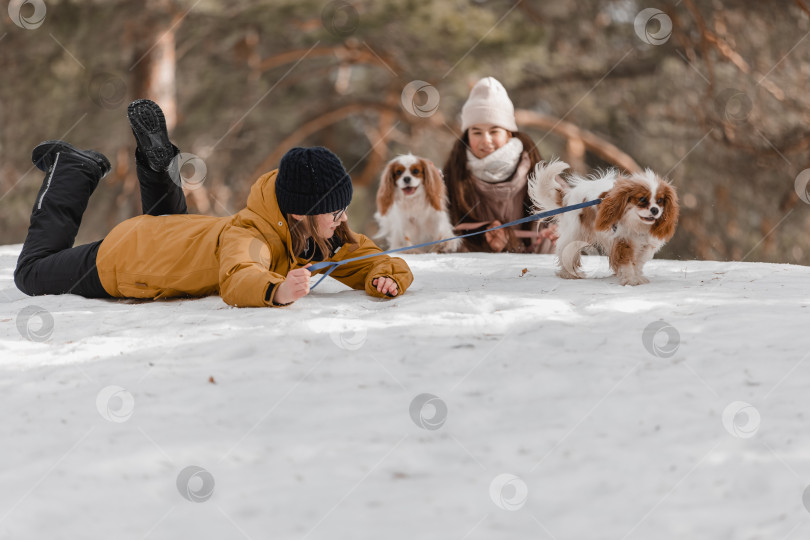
(359, 275)
(244, 278)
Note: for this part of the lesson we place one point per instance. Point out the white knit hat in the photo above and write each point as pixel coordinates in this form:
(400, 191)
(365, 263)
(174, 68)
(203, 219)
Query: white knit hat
(488, 104)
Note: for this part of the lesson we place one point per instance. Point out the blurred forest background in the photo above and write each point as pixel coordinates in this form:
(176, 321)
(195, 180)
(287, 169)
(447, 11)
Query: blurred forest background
(711, 93)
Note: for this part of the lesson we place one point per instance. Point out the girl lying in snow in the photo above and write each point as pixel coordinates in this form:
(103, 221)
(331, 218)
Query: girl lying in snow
(258, 257)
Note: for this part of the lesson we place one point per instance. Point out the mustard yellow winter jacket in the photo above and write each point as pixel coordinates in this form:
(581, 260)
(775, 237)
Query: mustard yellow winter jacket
(238, 257)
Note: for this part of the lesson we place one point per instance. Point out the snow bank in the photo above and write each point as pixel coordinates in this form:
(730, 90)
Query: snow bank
(486, 402)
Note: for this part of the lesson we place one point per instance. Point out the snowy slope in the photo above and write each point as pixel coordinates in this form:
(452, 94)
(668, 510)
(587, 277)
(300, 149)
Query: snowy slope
(315, 425)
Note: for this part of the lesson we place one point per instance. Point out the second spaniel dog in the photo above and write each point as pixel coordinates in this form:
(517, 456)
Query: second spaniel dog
(412, 205)
(637, 216)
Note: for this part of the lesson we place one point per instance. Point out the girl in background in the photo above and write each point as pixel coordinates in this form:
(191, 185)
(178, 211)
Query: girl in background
(487, 176)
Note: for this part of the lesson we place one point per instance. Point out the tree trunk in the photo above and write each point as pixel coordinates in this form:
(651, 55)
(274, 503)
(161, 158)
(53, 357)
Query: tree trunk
(154, 67)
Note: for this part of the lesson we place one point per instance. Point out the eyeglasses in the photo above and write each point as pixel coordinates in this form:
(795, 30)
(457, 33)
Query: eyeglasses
(337, 214)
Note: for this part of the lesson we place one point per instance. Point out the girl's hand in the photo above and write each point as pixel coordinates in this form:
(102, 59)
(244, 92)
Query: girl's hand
(386, 285)
(294, 286)
(496, 239)
(551, 232)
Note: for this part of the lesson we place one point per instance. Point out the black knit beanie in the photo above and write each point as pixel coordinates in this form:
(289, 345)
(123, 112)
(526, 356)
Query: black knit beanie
(312, 181)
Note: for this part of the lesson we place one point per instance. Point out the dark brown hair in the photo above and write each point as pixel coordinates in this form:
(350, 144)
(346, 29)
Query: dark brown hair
(464, 201)
(460, 191)
(301, 230)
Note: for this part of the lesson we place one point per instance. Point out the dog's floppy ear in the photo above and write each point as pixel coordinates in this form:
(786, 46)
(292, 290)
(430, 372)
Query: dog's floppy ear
(385, 193)
(664, 227)
(613, 204)
(434, 185)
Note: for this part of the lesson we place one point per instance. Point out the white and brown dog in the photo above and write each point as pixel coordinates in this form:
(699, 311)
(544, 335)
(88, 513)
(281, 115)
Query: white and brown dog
(412, 205)
(637, 216)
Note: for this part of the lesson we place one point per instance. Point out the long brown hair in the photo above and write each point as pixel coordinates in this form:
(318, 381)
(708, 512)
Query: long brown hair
(462, 195)
(464, 202)
(302, 230)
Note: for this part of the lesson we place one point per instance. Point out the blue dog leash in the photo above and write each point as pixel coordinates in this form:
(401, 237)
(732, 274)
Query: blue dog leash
(332, 265)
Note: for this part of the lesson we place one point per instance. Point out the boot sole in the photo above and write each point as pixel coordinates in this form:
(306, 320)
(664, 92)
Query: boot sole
(149, 127)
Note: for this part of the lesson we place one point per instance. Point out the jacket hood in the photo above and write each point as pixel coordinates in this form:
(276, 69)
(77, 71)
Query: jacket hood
(262, 201)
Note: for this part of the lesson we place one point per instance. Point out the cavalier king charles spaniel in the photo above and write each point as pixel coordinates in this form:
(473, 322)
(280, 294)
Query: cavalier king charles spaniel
(637, 216)
(412, 205)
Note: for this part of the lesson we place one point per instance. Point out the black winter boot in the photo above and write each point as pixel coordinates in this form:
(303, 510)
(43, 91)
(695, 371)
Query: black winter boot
(44, 156)
(149, 127)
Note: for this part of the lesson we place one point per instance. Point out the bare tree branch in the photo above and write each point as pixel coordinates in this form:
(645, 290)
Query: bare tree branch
(318, 123)
(802, 6)
(593, 143)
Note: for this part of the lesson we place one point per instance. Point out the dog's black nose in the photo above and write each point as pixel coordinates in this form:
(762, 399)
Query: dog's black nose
(654, 210)
(407, 179)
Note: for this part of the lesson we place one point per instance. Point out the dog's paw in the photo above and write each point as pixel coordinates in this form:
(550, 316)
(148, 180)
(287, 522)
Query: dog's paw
(565, 274)
(449, 247)
(633, 280)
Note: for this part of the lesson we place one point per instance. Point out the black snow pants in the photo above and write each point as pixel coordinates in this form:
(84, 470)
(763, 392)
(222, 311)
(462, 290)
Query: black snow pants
(48, 262)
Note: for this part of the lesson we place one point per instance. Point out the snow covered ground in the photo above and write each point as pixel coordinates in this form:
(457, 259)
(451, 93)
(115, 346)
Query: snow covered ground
(484, 403)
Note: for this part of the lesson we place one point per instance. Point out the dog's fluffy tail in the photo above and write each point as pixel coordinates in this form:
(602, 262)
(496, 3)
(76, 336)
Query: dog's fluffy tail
(544, 189)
